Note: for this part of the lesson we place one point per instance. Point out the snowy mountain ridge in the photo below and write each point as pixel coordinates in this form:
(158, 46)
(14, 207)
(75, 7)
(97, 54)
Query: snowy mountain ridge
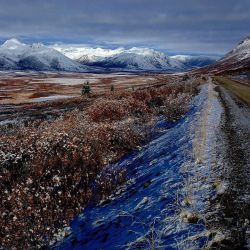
(242, 51)
(140, 59)
(192, 62)
(135, 58)
(12, 44)
(15, 55)
(238, 59)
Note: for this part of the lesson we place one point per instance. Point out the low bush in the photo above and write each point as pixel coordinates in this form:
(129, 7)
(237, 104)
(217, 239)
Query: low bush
(50, 170)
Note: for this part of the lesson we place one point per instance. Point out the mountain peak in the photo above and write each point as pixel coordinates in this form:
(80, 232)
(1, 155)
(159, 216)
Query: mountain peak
(245, 42)
(12, 44)
(246, 39)
(37, 46)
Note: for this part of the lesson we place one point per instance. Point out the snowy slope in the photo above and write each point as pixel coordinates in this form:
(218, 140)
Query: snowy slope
(15, 55)
(241, 52)
(236, 60)
(192, 62)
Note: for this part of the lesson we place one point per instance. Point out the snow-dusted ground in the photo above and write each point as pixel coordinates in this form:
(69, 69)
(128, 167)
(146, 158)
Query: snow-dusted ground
(66, 81)
(50, 98)
(91, 78)
(164, 202)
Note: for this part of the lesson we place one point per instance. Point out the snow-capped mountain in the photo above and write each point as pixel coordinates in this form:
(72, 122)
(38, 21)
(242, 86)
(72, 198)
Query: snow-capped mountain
(237, 59)
(141, 59)
(15, 55)
(192, 62)
(132, 59)
(85, 54)
(241, 52)
(121, 59)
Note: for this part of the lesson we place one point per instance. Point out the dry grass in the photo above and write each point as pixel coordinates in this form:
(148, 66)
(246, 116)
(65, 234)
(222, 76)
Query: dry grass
(240, 90)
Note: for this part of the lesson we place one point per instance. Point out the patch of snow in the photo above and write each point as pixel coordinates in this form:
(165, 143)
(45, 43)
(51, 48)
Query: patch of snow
(50, 98)
(66, 81)
(142, 203)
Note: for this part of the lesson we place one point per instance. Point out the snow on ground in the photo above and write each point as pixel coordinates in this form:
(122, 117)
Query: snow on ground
(50, 98)
(201, 184)
(6, 122)
(91, 78)
(157, 208)
(10, 90)
(66, 81)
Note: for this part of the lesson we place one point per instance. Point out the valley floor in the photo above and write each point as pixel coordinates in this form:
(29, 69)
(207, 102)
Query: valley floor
(35, 87)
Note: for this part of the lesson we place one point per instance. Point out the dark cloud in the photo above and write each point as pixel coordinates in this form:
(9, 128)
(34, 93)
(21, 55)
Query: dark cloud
(201, 26)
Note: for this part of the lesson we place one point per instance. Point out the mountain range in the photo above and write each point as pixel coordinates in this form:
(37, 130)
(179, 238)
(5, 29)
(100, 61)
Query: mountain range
(133, 59)
(15, 55)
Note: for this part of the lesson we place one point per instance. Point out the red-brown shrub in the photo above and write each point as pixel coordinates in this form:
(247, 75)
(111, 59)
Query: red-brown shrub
(108, 110)
(47, 169)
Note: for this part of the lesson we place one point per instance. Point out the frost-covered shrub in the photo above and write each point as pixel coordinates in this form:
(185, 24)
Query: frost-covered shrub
(50, 170)
(174, 108)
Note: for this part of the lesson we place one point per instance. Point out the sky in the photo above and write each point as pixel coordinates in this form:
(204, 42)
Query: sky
(173, 26)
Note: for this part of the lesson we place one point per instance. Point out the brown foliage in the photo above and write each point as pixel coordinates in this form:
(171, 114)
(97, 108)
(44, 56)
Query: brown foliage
(46, 169)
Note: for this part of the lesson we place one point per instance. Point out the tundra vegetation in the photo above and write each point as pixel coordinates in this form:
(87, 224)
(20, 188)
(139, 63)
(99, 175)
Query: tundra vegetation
(50, 169)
